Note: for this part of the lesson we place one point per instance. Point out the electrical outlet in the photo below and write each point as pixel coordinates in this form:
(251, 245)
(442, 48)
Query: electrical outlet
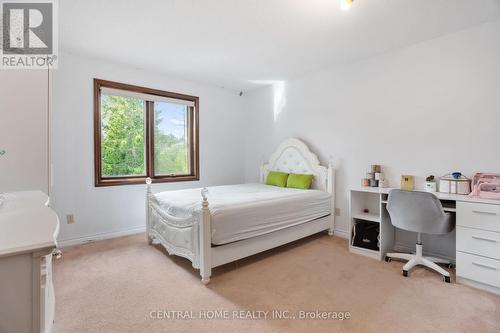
(337, 211)
(70, 218)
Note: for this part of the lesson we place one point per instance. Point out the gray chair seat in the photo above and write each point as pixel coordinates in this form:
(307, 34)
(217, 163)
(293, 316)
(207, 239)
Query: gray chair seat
(420, 212)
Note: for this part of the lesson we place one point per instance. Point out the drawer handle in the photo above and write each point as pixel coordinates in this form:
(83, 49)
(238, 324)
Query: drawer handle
(484, 213)
(485, 266)
(485, 239)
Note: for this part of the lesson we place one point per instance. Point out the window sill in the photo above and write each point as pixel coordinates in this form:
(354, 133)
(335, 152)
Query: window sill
(142, 180)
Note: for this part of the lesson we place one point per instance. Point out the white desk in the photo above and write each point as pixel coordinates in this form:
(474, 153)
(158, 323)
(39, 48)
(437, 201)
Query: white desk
(28, 232)
(477, 232)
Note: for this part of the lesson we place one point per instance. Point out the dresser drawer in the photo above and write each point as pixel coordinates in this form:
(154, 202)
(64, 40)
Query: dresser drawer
(478, 269)
(481, 242)
(480, 216)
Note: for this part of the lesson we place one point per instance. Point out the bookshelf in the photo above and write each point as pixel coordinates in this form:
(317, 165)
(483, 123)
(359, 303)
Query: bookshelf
(368, 205)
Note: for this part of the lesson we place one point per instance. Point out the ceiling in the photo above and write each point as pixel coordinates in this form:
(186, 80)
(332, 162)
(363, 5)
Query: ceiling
(238, 43)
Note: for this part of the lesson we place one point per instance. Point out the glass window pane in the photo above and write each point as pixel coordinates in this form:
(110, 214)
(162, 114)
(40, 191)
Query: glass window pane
(171, 146)
(122, 136)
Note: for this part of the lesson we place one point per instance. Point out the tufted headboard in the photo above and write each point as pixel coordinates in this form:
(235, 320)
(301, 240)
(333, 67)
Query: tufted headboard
(293, 156)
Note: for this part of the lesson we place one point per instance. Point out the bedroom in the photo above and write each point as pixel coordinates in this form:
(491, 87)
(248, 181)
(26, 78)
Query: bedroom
(411, 86)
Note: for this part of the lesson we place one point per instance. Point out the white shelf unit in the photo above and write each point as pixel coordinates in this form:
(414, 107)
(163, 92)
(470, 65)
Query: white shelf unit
(367, 217)
(374, 201)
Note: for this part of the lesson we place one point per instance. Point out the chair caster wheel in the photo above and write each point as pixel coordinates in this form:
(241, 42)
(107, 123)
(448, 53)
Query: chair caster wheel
(387, 259)
(447, 279)
(405, 273)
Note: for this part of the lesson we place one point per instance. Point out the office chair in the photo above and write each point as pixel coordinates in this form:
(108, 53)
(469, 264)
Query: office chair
(419, 212)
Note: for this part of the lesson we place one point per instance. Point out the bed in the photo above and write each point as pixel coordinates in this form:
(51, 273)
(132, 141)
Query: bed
(220, 224)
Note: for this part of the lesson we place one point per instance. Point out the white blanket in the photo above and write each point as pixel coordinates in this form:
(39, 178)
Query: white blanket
(248, 210)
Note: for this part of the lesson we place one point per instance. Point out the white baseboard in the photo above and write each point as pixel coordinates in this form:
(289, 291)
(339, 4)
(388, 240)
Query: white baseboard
(105, 235)
(341, 233)
(121, 233)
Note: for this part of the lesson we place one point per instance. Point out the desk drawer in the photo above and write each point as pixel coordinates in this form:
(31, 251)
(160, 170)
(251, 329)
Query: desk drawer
(481, 216)
(475, 241)
(478, 269)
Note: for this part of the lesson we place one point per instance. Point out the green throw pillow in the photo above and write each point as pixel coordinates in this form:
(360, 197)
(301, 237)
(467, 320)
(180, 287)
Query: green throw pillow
(276, 178)
(299, 181)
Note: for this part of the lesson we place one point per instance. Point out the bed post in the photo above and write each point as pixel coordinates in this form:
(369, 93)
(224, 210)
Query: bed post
(205, 240)
(331, 189)
(148, 210)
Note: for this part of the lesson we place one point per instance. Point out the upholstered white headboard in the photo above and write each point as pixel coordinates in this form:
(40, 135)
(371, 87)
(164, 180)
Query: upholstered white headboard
(293, 156)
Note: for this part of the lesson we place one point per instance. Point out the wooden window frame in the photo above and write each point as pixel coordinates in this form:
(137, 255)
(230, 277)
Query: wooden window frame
(193, 137)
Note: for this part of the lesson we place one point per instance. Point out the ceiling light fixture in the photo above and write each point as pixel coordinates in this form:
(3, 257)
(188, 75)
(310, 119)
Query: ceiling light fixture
(345, 5)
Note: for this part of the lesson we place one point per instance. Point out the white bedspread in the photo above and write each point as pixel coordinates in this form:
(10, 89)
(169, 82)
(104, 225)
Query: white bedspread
(248, 210)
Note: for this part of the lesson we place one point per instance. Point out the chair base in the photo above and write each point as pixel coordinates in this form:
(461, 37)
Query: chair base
(417, 259)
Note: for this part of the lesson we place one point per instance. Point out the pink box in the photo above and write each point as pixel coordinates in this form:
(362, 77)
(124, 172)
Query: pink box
(486, 185)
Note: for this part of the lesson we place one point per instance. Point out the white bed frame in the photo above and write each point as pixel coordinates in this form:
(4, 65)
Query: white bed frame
(191, 237)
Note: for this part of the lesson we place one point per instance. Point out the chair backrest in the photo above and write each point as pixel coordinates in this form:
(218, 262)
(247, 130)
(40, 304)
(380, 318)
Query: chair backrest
(418, 212)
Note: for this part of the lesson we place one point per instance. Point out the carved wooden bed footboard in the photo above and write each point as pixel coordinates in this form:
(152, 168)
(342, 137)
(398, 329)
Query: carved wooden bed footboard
(181, 236)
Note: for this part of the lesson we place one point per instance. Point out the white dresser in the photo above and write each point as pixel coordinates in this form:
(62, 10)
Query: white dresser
(478, 244)
(28, 232)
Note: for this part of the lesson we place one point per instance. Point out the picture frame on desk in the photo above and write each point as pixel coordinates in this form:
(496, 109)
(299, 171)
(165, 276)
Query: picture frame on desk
(407, 182)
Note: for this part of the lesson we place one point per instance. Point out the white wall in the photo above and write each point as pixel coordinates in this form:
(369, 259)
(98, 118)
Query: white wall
(23, 130)
(431, 108)
(120, 209)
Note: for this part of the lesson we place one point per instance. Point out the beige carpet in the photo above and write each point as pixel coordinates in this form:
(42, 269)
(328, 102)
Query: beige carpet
(113, 286)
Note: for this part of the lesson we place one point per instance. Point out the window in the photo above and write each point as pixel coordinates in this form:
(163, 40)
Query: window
(142, 132)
